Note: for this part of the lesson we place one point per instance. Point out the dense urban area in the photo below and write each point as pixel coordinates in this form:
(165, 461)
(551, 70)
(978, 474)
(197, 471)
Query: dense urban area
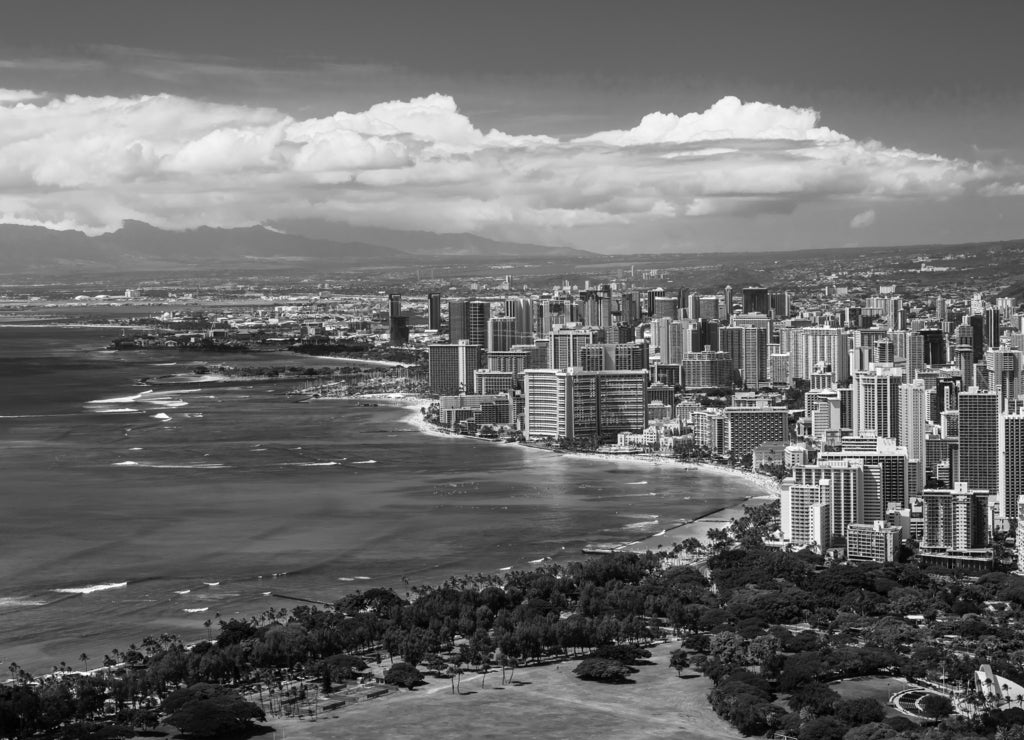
(880, 394)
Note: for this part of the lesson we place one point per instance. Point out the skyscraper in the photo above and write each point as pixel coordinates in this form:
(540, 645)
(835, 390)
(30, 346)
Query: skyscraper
(434, 311)
(1003, 368)
(1011, 466)
(501, 333)
(756, 300)
(468, 320)
(876, 403)
(979, 439)
(451, 367)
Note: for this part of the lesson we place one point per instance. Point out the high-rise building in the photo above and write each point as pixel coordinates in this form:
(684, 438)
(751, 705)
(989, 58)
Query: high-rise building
(707, 369)
(823, 345)
(564, 343)
(451, 367)
(434, 311)
(574, 403)
(979, 439)
(756, 300)
(748, 348)
(707, 307)
(875, 542)
(876, 403)
(1010, 482)
(894, 463)
(394, 305)
(665, 307)
(1003, 367)
(521, 309)
(501, 333)
(955, 519)
(750, 427)
(468, 320)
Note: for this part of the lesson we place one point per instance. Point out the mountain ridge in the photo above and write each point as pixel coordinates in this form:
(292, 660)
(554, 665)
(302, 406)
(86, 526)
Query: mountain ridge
(140, 246)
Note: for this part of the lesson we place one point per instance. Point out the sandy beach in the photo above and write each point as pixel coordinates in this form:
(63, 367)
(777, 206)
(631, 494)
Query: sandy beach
(698, 528)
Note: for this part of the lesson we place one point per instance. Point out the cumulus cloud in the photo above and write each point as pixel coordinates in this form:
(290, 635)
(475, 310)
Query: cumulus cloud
(92, 162)
(17, 96)
(863, 220)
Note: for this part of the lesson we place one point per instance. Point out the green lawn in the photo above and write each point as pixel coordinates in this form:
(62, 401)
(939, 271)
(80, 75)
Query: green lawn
(546, 702)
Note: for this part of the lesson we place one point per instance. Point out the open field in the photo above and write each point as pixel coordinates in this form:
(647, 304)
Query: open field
(544, 702)
(879, 688)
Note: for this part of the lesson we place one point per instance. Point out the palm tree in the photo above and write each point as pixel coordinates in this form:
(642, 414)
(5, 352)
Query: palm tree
(85, 661)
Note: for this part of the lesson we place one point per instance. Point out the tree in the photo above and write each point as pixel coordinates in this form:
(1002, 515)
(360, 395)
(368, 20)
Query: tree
(601, 669)
(936, 706)
(209, 710)
(403, 674)
(679, 661)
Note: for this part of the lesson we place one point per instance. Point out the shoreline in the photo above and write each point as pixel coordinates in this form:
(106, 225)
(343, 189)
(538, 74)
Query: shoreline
(697, 527)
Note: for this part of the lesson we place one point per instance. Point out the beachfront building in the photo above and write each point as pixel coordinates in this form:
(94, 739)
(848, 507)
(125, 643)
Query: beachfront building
(748, 427)
(574, 403)
(451, 367)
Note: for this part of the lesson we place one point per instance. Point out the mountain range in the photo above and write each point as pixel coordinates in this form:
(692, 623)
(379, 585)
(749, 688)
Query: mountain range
(299, 244)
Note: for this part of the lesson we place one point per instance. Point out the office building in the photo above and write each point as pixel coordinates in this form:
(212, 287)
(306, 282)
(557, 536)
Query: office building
(434, 311)
(756, 300)
(467, 320)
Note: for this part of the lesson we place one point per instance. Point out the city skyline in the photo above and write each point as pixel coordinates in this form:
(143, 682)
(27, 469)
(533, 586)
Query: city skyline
(668, 127)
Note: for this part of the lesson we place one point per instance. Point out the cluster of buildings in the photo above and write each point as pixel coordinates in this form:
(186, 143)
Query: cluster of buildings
(893, 421)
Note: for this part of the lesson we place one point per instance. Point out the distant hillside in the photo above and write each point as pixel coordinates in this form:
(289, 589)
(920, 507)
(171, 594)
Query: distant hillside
(427, 243)
(139, 246)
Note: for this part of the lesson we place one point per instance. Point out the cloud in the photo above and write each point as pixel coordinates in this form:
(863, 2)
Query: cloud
(17, 96)
(863, 220)
(727, 119)
(176, 162)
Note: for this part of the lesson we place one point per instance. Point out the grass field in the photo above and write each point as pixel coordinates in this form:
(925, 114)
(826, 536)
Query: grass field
(545, 702)
(872, 687)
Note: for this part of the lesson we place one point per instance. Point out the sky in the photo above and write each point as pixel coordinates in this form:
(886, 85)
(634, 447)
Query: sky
(611, 126)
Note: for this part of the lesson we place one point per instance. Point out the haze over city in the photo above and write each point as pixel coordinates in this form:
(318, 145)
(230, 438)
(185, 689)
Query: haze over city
(666, 127)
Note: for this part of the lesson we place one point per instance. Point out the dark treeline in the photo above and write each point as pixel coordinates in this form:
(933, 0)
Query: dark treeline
(770, 628)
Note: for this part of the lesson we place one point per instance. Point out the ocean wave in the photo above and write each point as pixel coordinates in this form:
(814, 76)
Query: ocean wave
(186, 591)
(162, 416)
(343, 578)
(193, 416)
(19, 601)
(364, 462)
(120, 399)
(641, 525)
(362, 578)
(265, 593)
(126, 410)
(171, 403)
(539, 560)
(212, 583)
(310, 465)
(197, 610)
(638, 483)
(169, 466)
(91, 589)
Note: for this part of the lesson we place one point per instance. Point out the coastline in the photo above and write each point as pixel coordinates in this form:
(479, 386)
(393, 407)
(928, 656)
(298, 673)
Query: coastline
(696, 528)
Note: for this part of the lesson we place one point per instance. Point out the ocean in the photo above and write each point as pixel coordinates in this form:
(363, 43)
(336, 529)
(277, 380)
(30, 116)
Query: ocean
(128, 511)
